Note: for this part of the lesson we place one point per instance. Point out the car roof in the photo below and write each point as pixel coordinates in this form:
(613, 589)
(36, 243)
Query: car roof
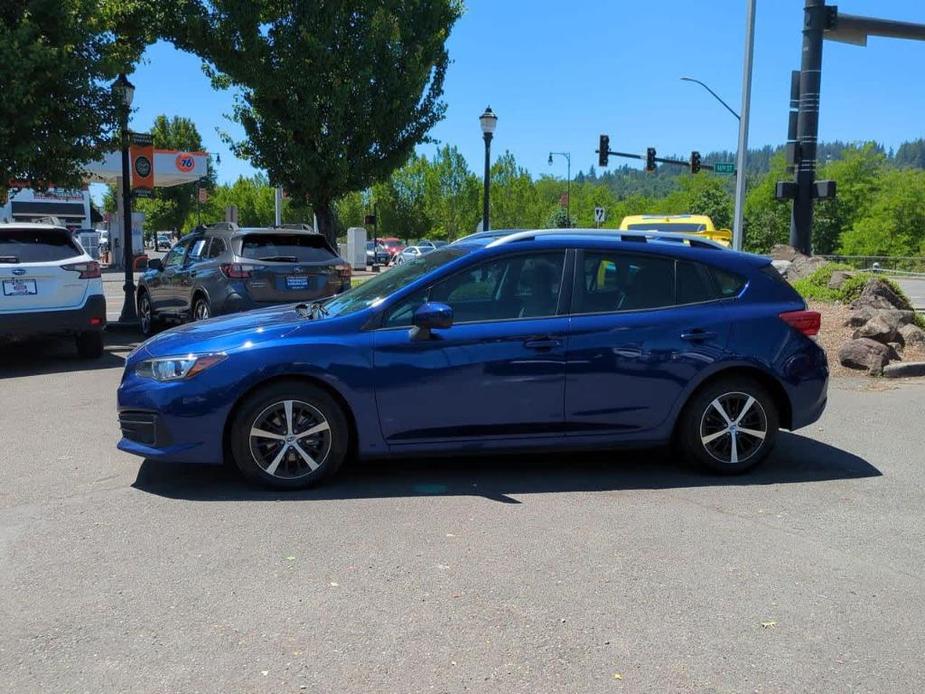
(31, 225)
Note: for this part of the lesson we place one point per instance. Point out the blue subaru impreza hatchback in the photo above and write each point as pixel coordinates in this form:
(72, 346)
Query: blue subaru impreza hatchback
(500, 342)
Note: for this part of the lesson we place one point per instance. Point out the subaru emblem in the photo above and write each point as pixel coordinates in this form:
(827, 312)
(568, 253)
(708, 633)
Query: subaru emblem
(19, 271)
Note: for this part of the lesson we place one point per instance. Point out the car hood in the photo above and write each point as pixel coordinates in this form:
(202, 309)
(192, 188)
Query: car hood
(227, 333)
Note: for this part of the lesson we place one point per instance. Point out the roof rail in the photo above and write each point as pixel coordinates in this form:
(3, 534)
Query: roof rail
(691, 240)
(221, 226)
(301, 226)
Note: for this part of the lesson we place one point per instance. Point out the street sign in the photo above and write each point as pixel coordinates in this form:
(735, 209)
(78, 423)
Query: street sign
(726, 168)
(600, 214)
(142, 192)
(142, 139)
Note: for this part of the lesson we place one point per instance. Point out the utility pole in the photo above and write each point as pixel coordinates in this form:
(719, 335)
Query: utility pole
(738, 230)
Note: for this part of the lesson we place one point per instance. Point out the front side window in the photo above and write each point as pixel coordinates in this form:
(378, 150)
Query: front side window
(612, 281)
(174, 258)
(216, 248)
(521, 286)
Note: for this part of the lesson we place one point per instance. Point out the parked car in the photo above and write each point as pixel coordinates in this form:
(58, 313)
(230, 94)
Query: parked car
(377, 254)
(50, 286)
(393, 245)
(432, 244)
(226, 269)
(539, 341)
(412, 252)
(163, 241)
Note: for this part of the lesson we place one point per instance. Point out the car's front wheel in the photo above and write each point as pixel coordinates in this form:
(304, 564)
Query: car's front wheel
(730, 425)
(289, 436)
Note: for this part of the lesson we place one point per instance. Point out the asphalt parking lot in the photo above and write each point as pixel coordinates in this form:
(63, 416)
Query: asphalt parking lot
(606, 572)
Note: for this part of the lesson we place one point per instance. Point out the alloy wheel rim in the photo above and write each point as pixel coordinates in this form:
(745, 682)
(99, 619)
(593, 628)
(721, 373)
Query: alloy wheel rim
(290, 439)
(202, 311)
(145, 315)
(733, 427)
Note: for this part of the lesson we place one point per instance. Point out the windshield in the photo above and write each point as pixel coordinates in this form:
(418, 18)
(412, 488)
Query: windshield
(663, 226)
(373, 291)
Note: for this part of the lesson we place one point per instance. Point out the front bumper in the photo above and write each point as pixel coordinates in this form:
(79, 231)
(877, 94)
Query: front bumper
(89, 317)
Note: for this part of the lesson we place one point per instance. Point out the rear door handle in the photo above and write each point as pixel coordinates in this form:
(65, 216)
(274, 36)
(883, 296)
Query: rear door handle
(697, 335)
(542, 343)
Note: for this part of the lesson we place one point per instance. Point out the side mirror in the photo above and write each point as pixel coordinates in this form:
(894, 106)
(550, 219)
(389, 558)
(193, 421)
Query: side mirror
(156, 264)
(430, 316)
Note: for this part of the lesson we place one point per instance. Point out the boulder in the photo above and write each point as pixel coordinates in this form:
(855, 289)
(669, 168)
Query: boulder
(912, 335)
(878, 294)
(877, 329)
(839, 277)
(780, 251)
(803, 266)
(892, 316)
(904, 369)
(864, 353)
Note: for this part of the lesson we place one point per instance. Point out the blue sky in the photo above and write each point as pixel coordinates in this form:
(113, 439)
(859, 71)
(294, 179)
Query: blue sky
(560, 73)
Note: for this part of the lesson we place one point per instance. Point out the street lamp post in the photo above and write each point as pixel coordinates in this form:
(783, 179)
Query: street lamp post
(568, 185)
(488, 121)
(125, 91)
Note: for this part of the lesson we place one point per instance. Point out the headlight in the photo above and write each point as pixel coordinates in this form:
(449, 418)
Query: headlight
(177, 368)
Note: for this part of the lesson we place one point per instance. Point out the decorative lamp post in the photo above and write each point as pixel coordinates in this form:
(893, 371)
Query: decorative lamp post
(125, 91)
(488, 121)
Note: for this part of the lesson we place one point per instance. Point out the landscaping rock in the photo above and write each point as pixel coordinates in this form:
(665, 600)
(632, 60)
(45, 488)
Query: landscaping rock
(781, 266)
(803, 266)
(876, 329)
(864, 353)
(780, 251)
(892, 317)
(878, 294)
(839, 277)
(904, 368)
(912, 335)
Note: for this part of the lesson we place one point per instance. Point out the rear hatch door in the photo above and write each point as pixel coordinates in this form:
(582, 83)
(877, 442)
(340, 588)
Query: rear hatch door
(31, 276)
(289, 266)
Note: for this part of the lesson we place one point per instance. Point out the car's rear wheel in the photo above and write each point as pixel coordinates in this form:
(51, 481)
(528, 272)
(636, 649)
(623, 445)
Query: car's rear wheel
(289, 436)
(730, 425)
(90, 344)
(146, 317)
(201, 309)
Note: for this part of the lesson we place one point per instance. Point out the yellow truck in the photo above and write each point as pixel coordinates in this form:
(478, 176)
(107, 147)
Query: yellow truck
(699, 224)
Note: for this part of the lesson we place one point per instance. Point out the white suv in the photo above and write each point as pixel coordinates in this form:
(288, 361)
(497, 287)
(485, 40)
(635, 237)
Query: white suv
(48, 286)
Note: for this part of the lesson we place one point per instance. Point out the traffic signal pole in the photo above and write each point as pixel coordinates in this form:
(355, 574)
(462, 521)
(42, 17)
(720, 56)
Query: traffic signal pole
(801, 220)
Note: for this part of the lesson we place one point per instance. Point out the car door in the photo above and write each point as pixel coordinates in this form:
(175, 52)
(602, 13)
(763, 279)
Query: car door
(160, 286)
(498, 372)
(182, 280)
(643, 326)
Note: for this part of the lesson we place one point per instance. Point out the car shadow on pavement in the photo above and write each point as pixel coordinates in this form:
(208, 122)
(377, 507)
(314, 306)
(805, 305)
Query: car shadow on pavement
(58, 355)
(796, 459)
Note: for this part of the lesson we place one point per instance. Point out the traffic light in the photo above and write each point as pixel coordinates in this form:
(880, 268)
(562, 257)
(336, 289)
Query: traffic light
(695, 162)
(650, 159)
(602, 150)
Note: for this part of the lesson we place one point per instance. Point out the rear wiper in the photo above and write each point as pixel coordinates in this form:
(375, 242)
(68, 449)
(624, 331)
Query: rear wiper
(280, 259)
(9, 259)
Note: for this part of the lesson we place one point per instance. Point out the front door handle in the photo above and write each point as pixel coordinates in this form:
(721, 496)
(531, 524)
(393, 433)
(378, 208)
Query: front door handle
(542, 344)
(697, 335)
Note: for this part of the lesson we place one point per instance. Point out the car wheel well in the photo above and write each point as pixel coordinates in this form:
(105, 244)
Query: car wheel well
(290, 378)
(775, 390)
(199, 294)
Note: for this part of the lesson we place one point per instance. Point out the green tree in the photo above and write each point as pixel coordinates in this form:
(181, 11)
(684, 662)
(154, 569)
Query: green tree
(451, 195)
(253, 196)
(515, 202)
(57, 110)
(894, 219)
(767, 220)
(334, 96)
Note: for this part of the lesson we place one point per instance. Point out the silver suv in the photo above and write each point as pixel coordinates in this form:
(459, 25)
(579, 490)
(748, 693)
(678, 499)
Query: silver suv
(223, 269)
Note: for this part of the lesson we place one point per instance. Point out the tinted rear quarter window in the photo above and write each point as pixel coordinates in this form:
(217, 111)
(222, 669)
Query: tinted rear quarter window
(694, 284)
(36, 245)
(294, 248)
(625, 282)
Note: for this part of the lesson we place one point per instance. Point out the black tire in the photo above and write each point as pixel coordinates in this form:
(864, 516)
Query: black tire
(147, 318)
(728, 442)
(90, 344)
(265, 410)
(202, 310)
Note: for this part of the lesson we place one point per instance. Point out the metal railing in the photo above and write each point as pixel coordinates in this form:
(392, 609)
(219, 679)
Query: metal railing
(882, 263)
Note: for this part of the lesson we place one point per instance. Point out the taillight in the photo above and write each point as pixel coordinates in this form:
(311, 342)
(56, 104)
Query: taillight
(344, 271)
(807, 322)
(88, 271)
(235, 271)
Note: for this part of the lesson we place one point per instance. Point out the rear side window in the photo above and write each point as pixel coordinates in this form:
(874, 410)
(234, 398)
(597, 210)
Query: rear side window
(624, 282)
(285, 248)
(195, 253)
(694, 284)
(36, 245)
